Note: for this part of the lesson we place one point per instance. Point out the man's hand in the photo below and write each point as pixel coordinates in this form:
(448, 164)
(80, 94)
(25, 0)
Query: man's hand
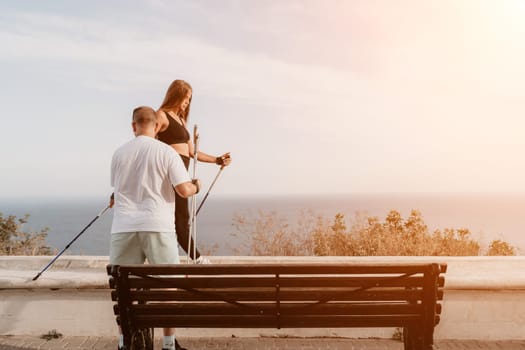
(112, 200)
(197, 184)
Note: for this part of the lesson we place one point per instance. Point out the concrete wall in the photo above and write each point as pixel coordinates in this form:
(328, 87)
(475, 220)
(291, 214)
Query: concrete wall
(484, 298)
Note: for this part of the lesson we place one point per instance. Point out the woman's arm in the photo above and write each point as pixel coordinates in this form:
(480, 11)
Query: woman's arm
(224, 159)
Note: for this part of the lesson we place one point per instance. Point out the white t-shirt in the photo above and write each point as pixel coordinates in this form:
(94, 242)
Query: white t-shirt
(143, 173)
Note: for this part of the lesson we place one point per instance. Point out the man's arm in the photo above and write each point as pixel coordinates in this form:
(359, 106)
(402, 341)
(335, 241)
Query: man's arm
(188, 189)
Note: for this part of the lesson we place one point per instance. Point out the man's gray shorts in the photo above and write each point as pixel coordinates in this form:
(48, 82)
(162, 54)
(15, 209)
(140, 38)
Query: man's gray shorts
(136, 247)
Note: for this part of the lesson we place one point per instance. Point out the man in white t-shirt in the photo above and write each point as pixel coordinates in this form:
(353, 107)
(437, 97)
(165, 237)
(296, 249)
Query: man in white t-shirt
(144, 174)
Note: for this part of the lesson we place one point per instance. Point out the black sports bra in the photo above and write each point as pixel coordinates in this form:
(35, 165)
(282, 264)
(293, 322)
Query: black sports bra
(174, 133)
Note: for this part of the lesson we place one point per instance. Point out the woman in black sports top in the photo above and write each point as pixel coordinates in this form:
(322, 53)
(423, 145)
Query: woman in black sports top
(172, 117)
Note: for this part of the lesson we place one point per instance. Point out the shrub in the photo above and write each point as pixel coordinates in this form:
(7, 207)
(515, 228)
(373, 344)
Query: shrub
(15, 241)
(498, 247)
(367, 236)
(270, 234)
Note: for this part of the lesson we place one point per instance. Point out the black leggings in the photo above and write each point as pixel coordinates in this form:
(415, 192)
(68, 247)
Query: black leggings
(182, 219)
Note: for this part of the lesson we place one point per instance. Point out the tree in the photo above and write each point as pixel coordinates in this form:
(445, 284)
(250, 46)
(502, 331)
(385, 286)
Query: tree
(15, 241)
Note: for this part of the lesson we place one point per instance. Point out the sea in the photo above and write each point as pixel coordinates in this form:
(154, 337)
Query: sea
(487, 216)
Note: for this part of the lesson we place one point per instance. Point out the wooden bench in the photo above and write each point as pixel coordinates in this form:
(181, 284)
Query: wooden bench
(280, 296)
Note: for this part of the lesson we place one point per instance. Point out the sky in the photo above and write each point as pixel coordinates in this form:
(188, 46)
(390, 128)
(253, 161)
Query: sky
(310, 97)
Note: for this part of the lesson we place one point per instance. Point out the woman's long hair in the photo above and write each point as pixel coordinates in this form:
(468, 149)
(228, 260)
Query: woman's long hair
(174, 96)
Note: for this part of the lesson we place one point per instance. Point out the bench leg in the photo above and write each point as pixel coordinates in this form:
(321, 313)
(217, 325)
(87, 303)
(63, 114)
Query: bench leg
(414, 339)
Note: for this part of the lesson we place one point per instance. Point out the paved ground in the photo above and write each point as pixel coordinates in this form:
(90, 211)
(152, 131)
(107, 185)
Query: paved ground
(103, 343)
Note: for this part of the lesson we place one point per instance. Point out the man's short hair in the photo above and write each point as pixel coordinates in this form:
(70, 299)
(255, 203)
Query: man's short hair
(143, 115)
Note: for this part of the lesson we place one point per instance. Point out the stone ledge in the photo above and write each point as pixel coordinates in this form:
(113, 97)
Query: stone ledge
(89, 272)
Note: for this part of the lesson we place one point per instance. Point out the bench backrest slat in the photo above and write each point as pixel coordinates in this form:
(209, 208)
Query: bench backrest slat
(272, 269)
(286, 281)
(284, 295)
(270, 321)
(207, 308)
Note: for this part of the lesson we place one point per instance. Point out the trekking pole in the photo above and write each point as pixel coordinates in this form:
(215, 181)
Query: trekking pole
(193, 222)
(194, 226)
(207, 193)
(209, 189)
(69, 244)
